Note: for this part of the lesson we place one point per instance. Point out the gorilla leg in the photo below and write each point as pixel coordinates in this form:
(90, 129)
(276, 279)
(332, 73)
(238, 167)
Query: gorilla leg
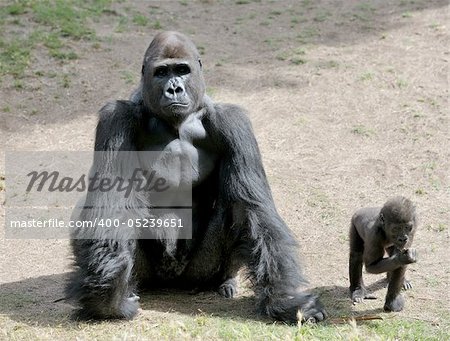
(407, 285)
(101, 285)
(394, 300)
(358, 291)
(229, 286)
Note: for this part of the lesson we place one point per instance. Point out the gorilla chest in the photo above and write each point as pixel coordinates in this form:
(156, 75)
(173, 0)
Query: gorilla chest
(183, 156)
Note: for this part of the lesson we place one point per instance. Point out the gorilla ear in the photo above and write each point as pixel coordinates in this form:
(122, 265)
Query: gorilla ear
(200, 63)
(382, 217)
(143, 68)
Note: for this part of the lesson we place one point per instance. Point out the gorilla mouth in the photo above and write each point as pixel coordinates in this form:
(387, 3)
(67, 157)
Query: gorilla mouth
(400, 246)
(177, 104)
(177, 107)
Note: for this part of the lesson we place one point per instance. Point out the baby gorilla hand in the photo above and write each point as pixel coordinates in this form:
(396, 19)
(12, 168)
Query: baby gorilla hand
(408, 256)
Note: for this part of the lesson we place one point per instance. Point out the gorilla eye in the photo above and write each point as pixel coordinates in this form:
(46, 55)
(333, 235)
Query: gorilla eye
(161, 71)
(396, 228)
(182, 69)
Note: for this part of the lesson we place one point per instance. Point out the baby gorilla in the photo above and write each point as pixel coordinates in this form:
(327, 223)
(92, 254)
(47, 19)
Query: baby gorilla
(374, 231)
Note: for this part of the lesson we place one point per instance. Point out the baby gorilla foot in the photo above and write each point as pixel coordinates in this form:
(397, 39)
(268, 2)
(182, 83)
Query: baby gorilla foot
(395, 304)
(228, 288)
(359, 294)
(407, 285)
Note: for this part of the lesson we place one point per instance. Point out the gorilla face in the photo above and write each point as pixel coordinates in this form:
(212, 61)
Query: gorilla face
(170, 79)
(399, 220)
(399, 233)
(172, 83)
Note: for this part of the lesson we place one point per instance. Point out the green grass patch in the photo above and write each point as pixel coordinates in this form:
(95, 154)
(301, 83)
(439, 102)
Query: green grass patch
(367, 76)
(121, 25)
(307, 35)
(362, 130)
(406, 15)
(65, 81)
(18, 84)
(15, 56)
(401, 83)
(298, 60)
(58, 20)
(52, 41)
(282, 56)
(68, 19)
(140, 20)
(16, 8)
(157, 25)
(127, 76)
(321, 16)
(275, 13)
(293, 55)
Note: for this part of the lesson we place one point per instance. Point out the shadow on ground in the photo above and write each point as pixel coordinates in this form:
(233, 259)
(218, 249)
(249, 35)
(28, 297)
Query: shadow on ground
(32, 301)
(338, 304)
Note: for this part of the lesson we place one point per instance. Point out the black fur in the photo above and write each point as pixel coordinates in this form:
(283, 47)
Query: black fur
(235, 222)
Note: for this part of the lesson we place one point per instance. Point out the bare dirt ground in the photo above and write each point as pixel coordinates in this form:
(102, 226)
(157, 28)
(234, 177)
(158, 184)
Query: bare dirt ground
(349, 103)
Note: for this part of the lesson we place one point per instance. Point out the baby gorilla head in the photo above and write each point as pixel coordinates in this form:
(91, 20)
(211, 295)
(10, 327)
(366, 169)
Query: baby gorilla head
(399, 221)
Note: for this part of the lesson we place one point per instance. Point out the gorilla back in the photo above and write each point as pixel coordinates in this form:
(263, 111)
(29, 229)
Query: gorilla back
(234, 219)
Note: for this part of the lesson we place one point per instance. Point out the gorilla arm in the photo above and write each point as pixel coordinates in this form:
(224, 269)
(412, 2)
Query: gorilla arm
(98, 250)
(388, 264)
(270, 250)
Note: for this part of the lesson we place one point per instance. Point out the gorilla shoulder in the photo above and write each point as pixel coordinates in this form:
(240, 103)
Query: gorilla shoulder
(116, 120)
(120, 109)
(231, 119)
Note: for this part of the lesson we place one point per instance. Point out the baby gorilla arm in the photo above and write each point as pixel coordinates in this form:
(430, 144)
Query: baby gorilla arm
(391, 263)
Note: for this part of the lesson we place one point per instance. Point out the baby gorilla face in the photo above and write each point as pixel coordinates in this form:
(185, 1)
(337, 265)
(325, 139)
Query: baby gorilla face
(399, 234)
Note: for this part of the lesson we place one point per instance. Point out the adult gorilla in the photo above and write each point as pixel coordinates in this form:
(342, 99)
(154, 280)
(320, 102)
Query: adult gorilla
(234, 219)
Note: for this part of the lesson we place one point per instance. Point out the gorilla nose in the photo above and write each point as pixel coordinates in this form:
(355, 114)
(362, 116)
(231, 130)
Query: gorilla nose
(174, 90)
(402, 239)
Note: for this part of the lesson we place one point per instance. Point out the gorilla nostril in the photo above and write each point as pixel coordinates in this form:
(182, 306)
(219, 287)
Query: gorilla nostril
(179, 89)
(171, 91)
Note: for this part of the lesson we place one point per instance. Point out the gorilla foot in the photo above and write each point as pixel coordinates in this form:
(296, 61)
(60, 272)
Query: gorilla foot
(228, 288)
(298, 308)
(395, 304)
(96, 310)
